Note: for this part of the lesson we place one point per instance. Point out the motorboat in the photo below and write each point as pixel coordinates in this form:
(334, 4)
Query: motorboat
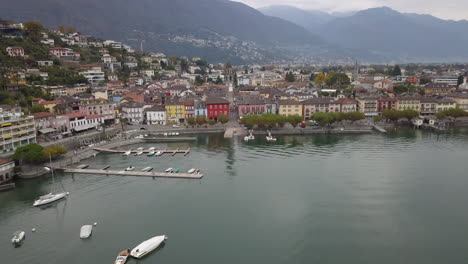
(131, 168)
(152, 153)
(159, 153)
(191, 171)
(147, 246)
(176, 170)
(169, 170)
(49, 198)
(139, 153)
(83, 166)
(18, 237)
(86, 231)
(151, 149)
(270, 138)
(139, 137)
(250, 136)
(147, 169)
(127, 153)
(122, 257)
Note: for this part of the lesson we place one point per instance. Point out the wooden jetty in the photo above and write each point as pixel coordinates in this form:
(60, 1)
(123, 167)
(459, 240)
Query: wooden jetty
(135, 173)
(163, 151)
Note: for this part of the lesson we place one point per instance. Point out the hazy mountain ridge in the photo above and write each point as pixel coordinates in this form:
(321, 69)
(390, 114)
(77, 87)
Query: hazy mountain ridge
(155, 20)
(383, 34)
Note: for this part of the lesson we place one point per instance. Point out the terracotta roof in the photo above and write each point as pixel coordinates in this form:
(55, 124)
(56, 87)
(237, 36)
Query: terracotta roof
(320, 100)
(93, 116)
(42, 114)
(74, 115)
(5, 161)
(216, 100)
(289, 102)
(49, 102)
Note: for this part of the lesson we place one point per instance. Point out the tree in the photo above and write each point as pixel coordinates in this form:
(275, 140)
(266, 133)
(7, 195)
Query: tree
(320, 79)
(38, 109)
(424, 80)
(223, 119)
(410, 114)
(452, 112)
(200, 120)
(199, 80)
(236, 81)
(211, 122)
(191, 121)
(396, 71)
(392, 115)
(400, 89)
(460, 80)
(312, 77)
(54, 151)
(184, 66)
(294, 120)
(290, 77)
(219, 80)
(34, 30)
(32, 153)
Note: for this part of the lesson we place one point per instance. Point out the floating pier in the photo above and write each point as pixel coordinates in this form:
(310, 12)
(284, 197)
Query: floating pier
(163, 151)
(135, 173)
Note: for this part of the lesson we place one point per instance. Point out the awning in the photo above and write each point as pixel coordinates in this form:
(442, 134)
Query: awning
(47, 130)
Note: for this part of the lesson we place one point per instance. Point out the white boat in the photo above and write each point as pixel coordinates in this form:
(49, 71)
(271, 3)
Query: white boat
(139, 137)
(122, 257)
(169, 170)
(83, 166)
(53, 196)
(86, 231)
(140, 149)
(18, 237)
(270, 139)
(49, 198)
(191, 171)
(139, 153)
(147, 169)
(147, 246)
(127, 153)
(151, 149)
(131, 168)
(159, 153)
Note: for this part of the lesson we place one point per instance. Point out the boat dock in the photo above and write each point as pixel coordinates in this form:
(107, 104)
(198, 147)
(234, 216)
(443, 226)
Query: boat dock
(169, 139)
(135, 173)
(163, 151)
(380, 129)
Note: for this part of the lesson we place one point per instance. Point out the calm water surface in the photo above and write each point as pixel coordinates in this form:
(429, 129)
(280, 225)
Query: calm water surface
(395, 198)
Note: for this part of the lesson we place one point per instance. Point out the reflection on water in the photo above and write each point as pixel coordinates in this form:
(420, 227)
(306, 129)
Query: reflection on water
(379, 198)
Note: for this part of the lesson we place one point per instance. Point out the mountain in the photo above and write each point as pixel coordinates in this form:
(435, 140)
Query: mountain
(309, 19)
(387, 35)
(214, 29)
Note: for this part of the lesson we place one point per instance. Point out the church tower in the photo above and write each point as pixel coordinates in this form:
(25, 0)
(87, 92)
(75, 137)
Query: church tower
(229, 76)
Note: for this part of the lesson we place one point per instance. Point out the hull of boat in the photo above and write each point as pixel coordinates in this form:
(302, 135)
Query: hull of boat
(50, 199)
(147, 246)
(86, 231)
(122, 257)
(18, 237)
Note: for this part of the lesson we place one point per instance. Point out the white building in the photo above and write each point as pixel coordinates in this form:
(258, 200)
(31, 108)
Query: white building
(15, 51)
(64, 53)
(94, 77)
(450, 80)
(80, 122)
(7, 171)
(16, 131)
(156, 115)
(133, 112)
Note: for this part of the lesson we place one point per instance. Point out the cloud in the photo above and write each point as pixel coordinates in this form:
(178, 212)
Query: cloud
(450, 9)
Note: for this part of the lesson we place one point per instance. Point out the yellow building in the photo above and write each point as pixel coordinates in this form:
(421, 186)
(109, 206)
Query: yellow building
(461, 100)
(409, 103)
(445, 104)
(16, 131)
(175, 111)
(290, 107)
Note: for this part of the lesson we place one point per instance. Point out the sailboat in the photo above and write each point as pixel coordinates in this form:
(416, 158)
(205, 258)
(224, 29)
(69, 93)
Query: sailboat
(50, 197)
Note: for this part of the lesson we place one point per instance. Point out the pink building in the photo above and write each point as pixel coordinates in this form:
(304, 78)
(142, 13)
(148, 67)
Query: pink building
(251, 106)
(15, 51)
(106, 110)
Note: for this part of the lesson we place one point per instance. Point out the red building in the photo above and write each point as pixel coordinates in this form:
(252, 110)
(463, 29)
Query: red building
(385, 103)
(216, 107)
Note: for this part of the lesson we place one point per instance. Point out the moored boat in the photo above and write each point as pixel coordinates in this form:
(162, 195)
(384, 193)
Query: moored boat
(159, 153)
(169, 170)
(127, 153)
(147, 169)
(176, 170)
(122, 257)
(131, 168)
(49, 198)
(147, 246)
(82, 166)
(151, 149)
(86, 231)
(191, 171)
(139, 153)
(151, 154)
(18, 237)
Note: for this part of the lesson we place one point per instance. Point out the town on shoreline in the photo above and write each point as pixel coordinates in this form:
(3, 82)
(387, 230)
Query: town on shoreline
(63, 90)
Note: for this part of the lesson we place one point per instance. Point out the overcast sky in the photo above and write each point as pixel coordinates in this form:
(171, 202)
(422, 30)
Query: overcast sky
(447, 9)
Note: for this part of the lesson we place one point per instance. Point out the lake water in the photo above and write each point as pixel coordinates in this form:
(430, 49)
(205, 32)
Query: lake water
(395, 198)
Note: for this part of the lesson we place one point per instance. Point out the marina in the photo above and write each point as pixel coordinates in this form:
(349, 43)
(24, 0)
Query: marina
(153, 152)
(135, 173)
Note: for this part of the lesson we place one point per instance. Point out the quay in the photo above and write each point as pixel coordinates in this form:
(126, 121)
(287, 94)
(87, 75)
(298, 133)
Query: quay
(169, 139)
(163, 151)
(135, 173)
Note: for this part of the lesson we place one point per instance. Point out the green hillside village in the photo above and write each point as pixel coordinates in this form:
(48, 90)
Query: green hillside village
(63, 91)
